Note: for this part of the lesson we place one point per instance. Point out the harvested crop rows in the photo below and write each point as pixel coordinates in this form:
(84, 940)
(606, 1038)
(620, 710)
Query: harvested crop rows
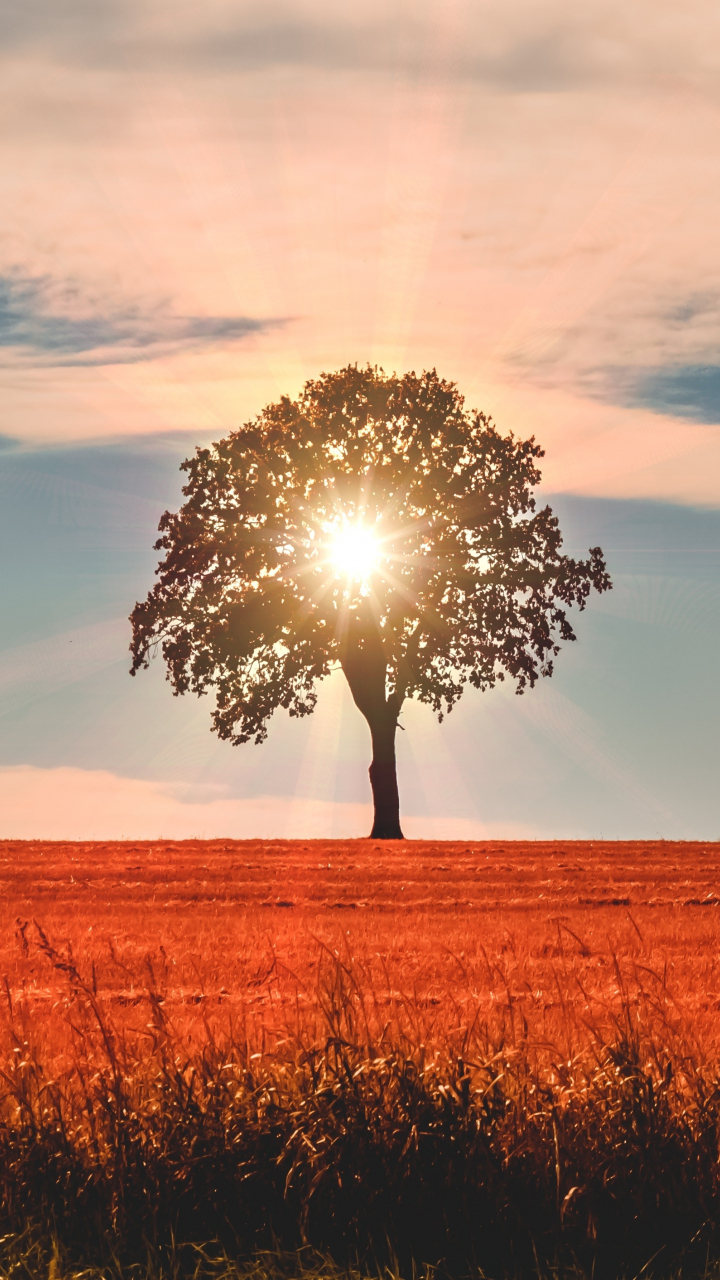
(455, 927)
(359, 873)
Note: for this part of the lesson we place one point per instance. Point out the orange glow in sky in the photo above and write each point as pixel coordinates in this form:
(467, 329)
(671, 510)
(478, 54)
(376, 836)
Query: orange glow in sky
(205, 206)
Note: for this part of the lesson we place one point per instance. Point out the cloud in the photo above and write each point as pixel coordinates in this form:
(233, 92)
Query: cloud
(521, 47)
(688, 391)
(50, 324)
(84, 804)
(643, 343)
(76, 32)
(549, 59)
(545, 60)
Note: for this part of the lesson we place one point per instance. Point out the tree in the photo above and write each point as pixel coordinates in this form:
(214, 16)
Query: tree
(376, 523)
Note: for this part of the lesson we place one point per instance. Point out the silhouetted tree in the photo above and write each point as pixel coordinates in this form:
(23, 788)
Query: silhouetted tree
(375, 523)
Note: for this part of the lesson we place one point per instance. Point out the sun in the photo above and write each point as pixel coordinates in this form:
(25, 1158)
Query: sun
(354, 552)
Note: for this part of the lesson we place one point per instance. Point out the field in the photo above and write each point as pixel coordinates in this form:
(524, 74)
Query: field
(499, 1056)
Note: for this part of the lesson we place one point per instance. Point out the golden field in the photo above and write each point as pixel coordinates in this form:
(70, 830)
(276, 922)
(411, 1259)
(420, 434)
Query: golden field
(485, 1057)
(451, 931)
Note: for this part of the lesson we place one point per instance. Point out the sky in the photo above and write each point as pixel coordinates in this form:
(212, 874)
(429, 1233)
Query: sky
(201, 207)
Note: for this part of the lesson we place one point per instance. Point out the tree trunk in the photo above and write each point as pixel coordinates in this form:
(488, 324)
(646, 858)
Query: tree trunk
(363, 660)
(383, 779)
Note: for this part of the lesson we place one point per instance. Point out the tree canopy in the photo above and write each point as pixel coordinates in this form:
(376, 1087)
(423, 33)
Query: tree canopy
(466, 582)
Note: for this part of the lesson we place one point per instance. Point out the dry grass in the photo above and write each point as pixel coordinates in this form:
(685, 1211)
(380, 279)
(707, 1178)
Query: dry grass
(515, 1088)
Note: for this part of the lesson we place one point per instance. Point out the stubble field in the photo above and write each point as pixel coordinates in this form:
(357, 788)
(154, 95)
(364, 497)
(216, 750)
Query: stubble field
(450, 931)
(495, 1055)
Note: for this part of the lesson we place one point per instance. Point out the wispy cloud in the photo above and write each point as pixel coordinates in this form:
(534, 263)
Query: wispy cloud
(546, 59)
(72, 26)
(49, 325)
(521, 47)
(684, 391)
(642, 344)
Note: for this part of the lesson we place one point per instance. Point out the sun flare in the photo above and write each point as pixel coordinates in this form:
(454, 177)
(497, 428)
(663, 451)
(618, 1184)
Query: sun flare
(354, 552)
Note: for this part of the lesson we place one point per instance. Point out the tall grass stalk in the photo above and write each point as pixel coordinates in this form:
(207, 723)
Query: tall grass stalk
(354, 1127)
